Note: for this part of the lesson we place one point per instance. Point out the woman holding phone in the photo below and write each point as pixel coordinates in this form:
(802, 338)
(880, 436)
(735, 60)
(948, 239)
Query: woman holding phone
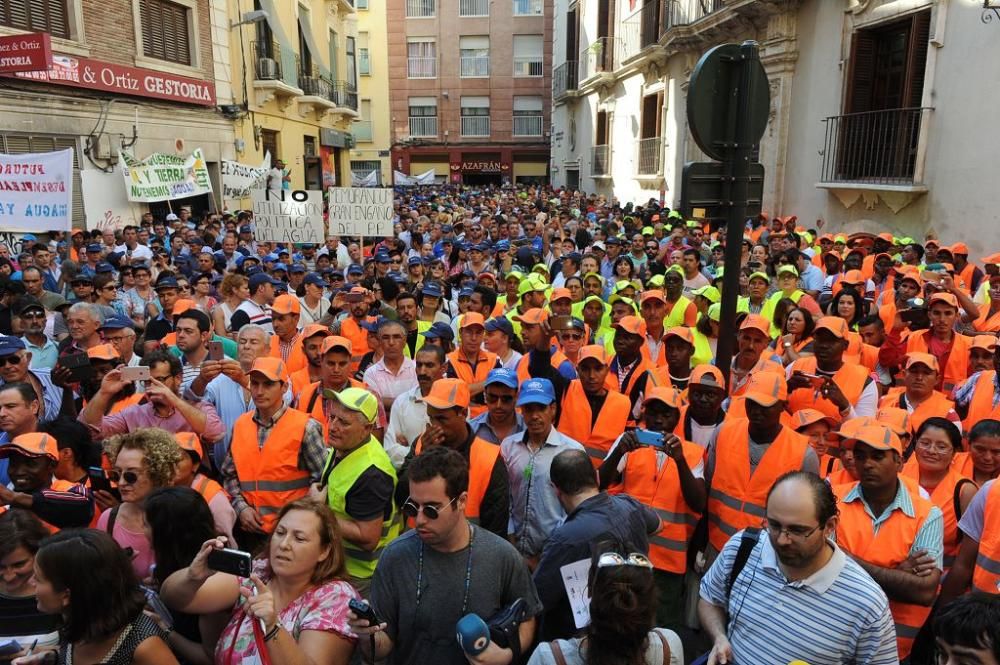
(294, 604)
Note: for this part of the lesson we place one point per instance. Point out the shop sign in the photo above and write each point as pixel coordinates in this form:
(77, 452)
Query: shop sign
(478, 167)
(122, 80)
(25, 53)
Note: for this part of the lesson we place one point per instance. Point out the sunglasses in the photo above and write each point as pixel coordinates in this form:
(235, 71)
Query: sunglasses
(124, 477)
(576, 336)
(412, 509)
(612, 559)
(13, 359)
(498, 399)
(33, 315)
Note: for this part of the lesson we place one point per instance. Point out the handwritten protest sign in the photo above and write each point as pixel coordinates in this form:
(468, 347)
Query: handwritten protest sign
(360, 211)
(105, 203)
(36, 191)
(162, 177)
(238, 179)
(288, 216)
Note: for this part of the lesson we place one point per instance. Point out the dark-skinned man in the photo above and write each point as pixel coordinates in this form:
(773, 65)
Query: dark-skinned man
(312, 341)
(590, 413)
(669, 478)
(896, 534)
(703, 415)
(917, 395)
(680, 311)
(358, 483)
(628, 368)
(502, 419)
(845, 391)
(489, 490)
(543, 360)
(470, 362)
(678, 346)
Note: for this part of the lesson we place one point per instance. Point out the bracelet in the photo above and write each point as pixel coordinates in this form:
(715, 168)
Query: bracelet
(270, 635)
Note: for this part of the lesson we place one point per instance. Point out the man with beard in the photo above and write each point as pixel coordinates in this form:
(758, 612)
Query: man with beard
(408, 419)
(44, 351)
(59, 503)
(358, 301)
(312, 341)
(800, 579)
(406, 310)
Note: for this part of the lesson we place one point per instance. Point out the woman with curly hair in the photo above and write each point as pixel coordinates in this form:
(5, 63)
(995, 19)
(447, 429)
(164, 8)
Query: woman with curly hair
(234, 289)
(141, 461)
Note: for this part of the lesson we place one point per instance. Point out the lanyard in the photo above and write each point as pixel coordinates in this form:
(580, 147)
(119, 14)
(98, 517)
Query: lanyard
(468, 572)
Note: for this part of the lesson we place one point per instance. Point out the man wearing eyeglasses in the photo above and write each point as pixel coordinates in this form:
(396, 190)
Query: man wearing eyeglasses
(44, 352)
(502, 419)
(15, 362)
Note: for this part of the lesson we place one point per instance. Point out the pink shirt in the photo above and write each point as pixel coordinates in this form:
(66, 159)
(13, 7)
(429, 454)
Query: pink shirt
(142, 549)
(144, 415)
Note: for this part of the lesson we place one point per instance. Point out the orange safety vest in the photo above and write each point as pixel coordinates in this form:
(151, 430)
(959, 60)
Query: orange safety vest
(483, 457)
(207, 487)
(269, 476)
(986, 576)
(661, 358)
(123, 404)
(839, 476)
(764, 364)
(296, 357)
(300, 381)
(350, 329)
(962, 463)
(659, 487)
(981, 407)
(851, 379)
(986, 322)
(957, 369)
(558, 358)
(887, 549)
(828, 464)
(640, 369)
(597, 438)
(935, 405)
(964, 278)
(311, 403)
(468, 374)
(943, 496)
(737, 499)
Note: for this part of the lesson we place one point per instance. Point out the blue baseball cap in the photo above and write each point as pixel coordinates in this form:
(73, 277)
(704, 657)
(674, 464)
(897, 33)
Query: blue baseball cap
(381, 257)
(271, 258)
(297, 268)
(503, 376)
(334, 274)
(466, 292)
(246, 229)
(85, 277)
(167, 283)
(93, 247)
(279, 266)
(432, 289)
(355, 269)
(253, 270)
(536, 391)
(314, 279)
(29, 236)
(397, 277)
(262, 278)
(10, 345)
(502, 324)
(116, 323)
(104, 266)
(414, 261)
(440, 330)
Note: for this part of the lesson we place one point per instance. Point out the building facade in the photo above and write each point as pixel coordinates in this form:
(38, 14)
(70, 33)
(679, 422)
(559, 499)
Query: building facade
(870, 125)
(469, 89)
(371, 129)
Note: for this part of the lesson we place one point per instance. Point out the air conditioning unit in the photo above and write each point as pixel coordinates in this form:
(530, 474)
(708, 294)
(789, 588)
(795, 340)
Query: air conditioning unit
(267, 68)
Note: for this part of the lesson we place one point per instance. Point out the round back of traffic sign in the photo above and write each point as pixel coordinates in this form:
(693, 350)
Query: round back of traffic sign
(714, 94)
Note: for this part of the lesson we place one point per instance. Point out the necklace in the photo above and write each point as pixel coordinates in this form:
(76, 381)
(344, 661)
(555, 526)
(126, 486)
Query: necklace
(468, 572)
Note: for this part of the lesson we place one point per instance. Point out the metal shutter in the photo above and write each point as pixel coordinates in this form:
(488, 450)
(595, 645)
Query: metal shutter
(19, 144)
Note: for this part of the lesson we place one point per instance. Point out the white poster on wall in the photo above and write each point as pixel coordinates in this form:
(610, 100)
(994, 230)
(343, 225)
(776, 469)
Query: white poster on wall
(104, 201)
(36, 191)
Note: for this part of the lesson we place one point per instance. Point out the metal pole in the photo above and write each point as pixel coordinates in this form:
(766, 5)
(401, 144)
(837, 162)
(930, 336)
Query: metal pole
(738, 170)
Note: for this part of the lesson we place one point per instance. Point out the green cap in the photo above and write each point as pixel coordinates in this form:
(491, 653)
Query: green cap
(356, 399)
(514, 273)
(647, 230)
(674, 214)
(759, 275)
(532, 282)
(715, 312)
(544, 267)
(691, 224)
(708, 292)
(676, 268)
(621, 285)
(655, 280)
(594, 274)
(786, 268)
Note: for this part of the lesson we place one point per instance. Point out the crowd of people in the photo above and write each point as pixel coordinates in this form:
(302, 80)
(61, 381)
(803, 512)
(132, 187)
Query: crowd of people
(498, 436)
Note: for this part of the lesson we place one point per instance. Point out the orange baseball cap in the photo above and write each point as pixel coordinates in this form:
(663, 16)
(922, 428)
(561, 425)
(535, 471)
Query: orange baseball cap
(985, 342)
(633, 325)
(887, 237)
(992, 258)
(767, 388)
(833, 324)
(853, 277)
(561, 293)
(926, 359)
(707, 375)
(273, 368)
(470, 319)
(947, 298)
(448, 394)
(932, 241)
(804, 417)
(666, 394)
(34, 444)
(877, 436)
(896, 419)
(852, 425)
(680, 331)
(103, 352)
(756, 322)
(960, 248)
(653, 294)
(314, 329)
(190, 442)
(909, 272)
(286, 304)
(336, 342)
(594, 352)
(532, 317)
(182, 305)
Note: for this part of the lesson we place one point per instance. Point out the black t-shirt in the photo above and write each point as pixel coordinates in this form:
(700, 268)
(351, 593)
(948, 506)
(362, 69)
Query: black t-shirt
(370, 496)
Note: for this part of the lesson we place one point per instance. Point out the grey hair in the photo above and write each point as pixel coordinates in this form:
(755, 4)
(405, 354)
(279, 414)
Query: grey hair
(91, 309)
(253, 327)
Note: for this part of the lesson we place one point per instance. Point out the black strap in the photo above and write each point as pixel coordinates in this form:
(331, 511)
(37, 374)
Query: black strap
(957, 499)
(829, 465)
(111, 520)
(747, 542)
(312, 400)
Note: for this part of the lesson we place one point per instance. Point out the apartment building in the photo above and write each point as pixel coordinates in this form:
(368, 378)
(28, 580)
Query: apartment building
(370, 164)
(469, 89)
(877, 117)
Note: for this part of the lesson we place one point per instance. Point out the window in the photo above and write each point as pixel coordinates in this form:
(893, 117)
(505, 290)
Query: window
(527, 7)
(423, 116)
(333, 54)
(309, 146)
(269, 143)
(165, 30)
(361, 4)
(352, 65)
(650, 143)
(305, 56)
(421, 58)
(366, 172)
(474, 54)
(528, 55)
(600, 157)
(362, 128)
(51, 16)
(364, 56)
(528, 116)
(475, 116)
(420, 8)
(474, 7)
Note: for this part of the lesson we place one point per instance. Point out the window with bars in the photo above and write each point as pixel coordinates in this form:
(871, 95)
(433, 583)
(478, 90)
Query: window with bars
(166, 31)
(423, 116)
(19, 144)
(474, 55)
(528, 55)
(421, 58)
(51, 16)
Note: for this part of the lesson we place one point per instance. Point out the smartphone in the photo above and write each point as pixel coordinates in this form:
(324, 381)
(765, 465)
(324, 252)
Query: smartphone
(234, 562)
(363, 610)
(137, 373)
(78, 365)
(916, 318)
(561, 322)
(354, 297)
(215, 351)
(816, 380)
(648, 438)
(155, 604)
(9, 648)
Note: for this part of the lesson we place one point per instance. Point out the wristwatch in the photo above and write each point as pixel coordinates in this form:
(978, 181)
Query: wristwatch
(787, 345)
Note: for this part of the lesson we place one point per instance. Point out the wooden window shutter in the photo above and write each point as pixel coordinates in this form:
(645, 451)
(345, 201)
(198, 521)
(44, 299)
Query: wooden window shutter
(36, 15)
(916, 65)
(862, 70)
(165, 31)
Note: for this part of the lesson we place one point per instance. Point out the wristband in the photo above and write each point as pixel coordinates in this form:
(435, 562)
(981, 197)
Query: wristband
(270, 635)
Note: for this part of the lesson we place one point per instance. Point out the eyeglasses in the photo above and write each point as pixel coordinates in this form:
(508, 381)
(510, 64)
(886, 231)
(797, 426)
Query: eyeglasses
(613, 559)
(793, 532)
(574, 336)
(412, 509)
(933, 447)
(33, 315)
(13, 359)
(498, 399)
(124, 477)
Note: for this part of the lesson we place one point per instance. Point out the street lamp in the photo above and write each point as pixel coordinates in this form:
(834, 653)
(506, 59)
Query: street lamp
(255, 16)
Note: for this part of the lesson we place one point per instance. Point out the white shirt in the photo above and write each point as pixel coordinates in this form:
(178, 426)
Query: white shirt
(387, 385)
(140, 252)
(407, 420)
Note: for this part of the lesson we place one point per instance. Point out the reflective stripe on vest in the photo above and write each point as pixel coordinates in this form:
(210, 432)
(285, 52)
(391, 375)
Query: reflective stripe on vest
(986, 576)
(575, 421)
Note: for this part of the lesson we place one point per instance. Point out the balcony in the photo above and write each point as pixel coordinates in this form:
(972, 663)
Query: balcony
(597, 59)
(475, 66)
(346, 6)
(528, 7)
(423, 126)
(474, 7)
(422, 67)
(530, 65)
(274, 74)
(600, 161)
(648, 160)
(345, 95)
(362, 130)
(420, 8)
(315, 93)
(564, 80)
(528, 125)
(475, 125)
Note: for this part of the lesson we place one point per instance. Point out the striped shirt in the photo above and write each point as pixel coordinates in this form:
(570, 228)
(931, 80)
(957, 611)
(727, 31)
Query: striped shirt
(837, 615)
(964, 393)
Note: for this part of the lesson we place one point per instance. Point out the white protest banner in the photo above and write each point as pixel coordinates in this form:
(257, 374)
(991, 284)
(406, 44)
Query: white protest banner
(105, 203)
(162, 177)
(238, 179)
(360, 211)
(368, 180)
(288, 216)
(425, 178)
(36, 191)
